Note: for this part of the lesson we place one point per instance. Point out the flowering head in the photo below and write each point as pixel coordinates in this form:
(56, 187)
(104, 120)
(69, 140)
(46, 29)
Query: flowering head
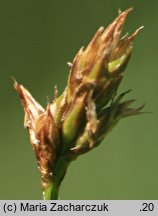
(80, 118)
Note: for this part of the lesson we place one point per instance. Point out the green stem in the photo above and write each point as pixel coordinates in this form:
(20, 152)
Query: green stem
(51, 192)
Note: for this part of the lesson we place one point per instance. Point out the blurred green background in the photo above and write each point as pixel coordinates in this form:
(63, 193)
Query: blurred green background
(37, 38)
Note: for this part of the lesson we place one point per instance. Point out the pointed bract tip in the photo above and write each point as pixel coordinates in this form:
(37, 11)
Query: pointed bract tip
(139, 30)
(140, 108)
(122, 17)
(101, 29)
(127, 11)
(132, 37)
(123, 14)
(141, 27)
(15, 83)
(119, 11)
(81, 50)
(55, 94)
(69, 64)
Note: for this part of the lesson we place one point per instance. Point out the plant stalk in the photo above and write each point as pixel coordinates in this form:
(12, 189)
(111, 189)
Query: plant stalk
(51, 192)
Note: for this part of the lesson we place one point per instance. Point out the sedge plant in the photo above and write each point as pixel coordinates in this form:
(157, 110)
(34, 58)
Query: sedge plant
(78, 120)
